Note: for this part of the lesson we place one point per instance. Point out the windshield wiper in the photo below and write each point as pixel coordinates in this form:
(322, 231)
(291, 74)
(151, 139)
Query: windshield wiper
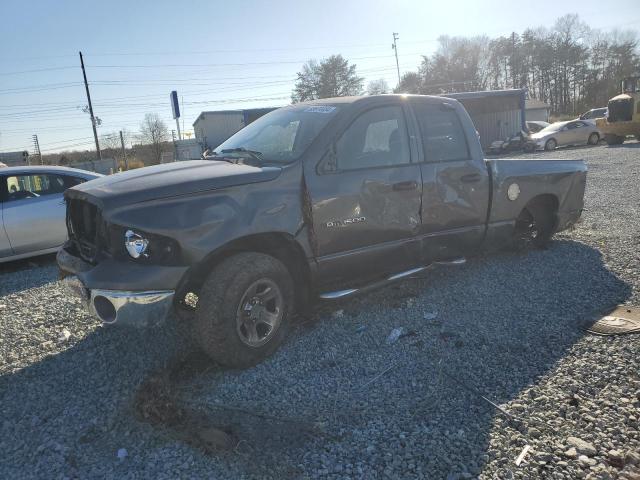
(252, 153)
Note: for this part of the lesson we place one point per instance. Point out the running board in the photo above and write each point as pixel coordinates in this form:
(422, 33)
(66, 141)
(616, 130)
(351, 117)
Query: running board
(396, 276)
(454, 262)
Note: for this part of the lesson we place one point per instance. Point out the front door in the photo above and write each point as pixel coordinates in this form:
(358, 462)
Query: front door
(34, 212)
(366, 199)
(455, 197)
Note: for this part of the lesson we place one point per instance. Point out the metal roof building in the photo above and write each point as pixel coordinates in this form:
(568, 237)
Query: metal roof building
(537, 110)
(497, 114)
(16, 159)
(213, 128)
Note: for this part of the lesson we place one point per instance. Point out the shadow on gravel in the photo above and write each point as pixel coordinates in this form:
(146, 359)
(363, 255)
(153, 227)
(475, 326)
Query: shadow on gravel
(67, 415)
(335, 399)
(626, 145)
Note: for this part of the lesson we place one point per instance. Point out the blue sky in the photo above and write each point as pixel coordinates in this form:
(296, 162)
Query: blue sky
(220, 55)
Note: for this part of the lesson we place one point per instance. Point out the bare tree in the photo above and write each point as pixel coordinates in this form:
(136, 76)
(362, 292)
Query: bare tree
(568, 65)
(112, 146)
(154, 132)
(378, 87)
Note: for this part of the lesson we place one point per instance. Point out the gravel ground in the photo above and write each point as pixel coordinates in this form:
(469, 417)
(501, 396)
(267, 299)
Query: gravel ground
(339, 401)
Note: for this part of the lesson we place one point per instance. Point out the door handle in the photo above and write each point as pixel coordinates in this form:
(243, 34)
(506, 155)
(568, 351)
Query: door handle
(470, 178)
(402, 186)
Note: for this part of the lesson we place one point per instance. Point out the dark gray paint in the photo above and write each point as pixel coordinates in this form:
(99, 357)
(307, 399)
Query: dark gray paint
(415, 214)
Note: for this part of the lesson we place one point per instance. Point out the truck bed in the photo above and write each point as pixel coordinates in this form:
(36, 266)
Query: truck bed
(563, 179)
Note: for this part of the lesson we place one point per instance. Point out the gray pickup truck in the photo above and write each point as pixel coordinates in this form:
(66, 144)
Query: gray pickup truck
(320, 199)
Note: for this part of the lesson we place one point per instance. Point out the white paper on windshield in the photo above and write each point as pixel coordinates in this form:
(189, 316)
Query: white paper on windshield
(320, 109)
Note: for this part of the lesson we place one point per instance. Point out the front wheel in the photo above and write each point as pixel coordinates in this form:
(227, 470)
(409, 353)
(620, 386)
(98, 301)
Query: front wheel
(594, 138)
(551, 144)
(243, 310)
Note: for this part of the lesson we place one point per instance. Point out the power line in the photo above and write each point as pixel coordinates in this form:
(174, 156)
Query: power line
(48, 69)
(190, 65)
(209, 52)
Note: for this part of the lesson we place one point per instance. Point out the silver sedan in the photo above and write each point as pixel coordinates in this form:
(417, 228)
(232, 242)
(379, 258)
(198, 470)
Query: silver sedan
(560, 134)
(32, 209)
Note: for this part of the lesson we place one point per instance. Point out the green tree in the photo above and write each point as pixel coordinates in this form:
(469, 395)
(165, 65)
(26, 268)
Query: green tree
(331, 77)
(411, 82)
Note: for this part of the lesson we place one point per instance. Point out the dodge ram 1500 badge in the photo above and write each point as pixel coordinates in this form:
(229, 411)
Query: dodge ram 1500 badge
(318, 199)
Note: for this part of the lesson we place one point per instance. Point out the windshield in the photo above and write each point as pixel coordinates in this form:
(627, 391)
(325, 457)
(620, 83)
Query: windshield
(280, 136)
(554, 127)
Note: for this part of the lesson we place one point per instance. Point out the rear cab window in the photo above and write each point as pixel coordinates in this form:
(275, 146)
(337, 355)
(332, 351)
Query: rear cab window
(443, 136)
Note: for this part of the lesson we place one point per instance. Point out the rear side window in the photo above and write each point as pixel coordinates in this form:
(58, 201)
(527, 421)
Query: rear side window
(443, 137)
(377, 138)
(70, 181)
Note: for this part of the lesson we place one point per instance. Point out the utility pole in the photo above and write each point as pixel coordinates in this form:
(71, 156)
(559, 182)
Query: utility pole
(36, 148)
(395, 48)
(124, 152)
(93, 119)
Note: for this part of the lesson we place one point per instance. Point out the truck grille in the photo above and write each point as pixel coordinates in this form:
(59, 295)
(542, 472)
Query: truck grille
(85, 227)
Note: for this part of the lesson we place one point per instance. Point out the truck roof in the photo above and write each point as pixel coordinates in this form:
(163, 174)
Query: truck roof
(47, 169)
(370, 98)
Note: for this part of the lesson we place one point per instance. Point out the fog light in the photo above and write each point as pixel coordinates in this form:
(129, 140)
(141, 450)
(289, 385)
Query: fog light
(136, 244)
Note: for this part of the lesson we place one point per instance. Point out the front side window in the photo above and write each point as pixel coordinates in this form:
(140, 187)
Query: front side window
(443, 137)
(30, 186)
(377, 138)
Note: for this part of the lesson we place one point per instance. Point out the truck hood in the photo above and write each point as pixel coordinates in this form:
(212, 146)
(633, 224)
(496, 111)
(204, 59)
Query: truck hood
(168, 180)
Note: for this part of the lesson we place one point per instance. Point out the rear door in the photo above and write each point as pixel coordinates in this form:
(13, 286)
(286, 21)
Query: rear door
(365, 196)
(582, 131)
(455, 195)
(34, 211)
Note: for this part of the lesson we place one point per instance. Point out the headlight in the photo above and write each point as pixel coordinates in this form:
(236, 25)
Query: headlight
(136, 244)
(145, 247)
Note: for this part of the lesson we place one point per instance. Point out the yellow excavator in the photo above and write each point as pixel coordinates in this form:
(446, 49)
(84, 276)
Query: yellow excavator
(623, 115)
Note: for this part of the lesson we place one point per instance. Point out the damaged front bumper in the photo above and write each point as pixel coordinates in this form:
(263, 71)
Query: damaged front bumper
(140, 308)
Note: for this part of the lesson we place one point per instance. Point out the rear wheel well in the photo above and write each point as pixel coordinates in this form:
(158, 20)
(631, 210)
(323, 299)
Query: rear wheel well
(547, 203)
(278, 245)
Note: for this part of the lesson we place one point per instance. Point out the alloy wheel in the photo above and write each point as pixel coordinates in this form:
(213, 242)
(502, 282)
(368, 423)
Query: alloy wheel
(259, 313)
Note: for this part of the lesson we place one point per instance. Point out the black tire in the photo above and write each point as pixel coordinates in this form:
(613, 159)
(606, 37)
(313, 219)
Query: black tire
(613, 139)
(594, 139)
(223, 307)
(534, 227)
(551, 144)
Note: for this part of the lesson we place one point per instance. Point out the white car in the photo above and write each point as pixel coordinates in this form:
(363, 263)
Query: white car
(561, 134)
(592, 114)
(32, 209)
